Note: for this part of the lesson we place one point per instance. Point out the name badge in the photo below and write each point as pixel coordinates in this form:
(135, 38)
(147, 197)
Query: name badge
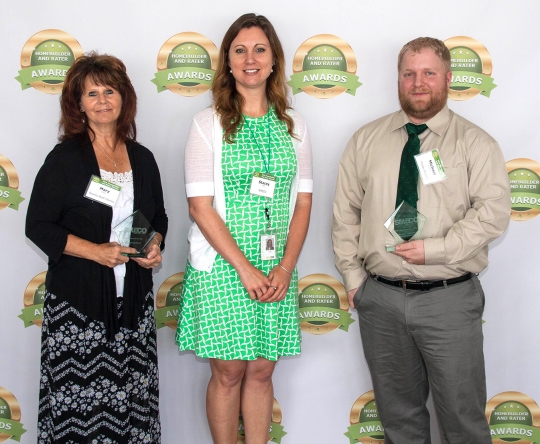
(430, 167)
(268, 245)
(263, 184)
(102, 191)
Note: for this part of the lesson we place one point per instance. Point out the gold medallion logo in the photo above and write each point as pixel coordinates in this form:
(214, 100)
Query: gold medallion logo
(513, 417)
(168, 301)
(10, 417)
(324, 66)
(524, 177)
(366, 426)
(323, 304)
(276, 432)
(45, 60)
(186, 64)
(34, 296)
(471, 68)
(9, 184)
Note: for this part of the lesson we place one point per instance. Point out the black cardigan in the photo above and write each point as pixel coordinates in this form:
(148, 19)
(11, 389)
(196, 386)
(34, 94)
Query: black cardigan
(58, 207)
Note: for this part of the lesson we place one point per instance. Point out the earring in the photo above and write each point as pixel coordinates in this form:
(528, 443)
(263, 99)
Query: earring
(230, 71)
(271, 70)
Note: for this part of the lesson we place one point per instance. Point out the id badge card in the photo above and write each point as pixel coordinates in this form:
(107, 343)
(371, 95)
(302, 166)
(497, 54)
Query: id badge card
(263, 184)
(102, 191)
(430, 167)
(268, 244)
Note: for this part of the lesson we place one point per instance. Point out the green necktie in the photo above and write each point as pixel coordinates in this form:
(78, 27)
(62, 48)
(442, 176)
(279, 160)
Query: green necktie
(407, 189)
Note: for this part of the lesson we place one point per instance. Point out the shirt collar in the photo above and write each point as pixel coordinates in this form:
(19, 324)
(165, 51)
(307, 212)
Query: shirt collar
(436, 124)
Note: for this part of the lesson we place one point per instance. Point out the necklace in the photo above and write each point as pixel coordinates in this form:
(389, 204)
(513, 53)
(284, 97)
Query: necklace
(113, 160)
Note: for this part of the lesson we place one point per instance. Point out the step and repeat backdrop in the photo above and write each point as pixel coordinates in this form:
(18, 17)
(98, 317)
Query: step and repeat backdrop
(342, 69)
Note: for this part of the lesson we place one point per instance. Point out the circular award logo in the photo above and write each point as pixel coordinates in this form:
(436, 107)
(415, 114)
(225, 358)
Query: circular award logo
(323, 304)
(365, 425)
(513, 417)
(10, 417)
(471, 67)
(186, 64)
(524, 176)
(324, 66)
(9, 183)
(45, 60)
(168, 301)
(34, 296)
(276, 432)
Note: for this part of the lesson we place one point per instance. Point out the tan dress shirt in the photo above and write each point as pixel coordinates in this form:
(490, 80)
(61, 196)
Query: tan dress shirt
(464, 212)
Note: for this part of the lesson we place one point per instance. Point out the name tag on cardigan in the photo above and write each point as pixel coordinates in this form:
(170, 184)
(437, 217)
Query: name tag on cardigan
(102, 191)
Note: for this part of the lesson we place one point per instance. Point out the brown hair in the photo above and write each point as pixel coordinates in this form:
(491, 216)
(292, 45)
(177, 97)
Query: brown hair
(417, 45)
(105, 70)
(227, 101)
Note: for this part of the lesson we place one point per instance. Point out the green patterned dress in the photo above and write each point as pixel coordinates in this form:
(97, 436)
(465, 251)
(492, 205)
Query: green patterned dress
(217, 318)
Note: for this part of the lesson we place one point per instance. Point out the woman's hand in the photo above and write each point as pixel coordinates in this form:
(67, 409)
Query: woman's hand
(153, 256)
(254, 281)
(110, 254)
(280, 281)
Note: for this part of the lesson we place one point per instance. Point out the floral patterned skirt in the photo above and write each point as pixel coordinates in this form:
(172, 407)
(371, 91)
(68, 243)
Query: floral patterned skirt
(93, 390)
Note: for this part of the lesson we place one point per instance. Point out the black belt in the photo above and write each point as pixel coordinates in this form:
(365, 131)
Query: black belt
(422, 285)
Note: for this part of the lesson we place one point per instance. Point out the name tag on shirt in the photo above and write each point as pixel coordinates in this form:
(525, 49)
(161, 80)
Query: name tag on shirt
(102, 191)
(430, 167)
(263, 184)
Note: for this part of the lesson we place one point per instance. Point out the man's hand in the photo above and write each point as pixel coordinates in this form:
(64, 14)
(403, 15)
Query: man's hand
(350, 296)
(412, 252)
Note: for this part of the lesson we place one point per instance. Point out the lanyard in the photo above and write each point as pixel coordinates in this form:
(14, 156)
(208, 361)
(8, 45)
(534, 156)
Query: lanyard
(266, 159)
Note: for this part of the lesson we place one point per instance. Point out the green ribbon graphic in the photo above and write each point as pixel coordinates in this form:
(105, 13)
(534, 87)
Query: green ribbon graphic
(519, 198)
(508, 430)
(165, 314)
(313, 314)
(42, 72)
(13, 197)
(15, 428)
(362, 429)
(276, 432)
(31, 314)
(314, 78)
(486, 85)
(161, 79)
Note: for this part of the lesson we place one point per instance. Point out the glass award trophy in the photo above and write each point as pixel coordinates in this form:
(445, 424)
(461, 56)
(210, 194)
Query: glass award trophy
(134, 231)
(405, 223)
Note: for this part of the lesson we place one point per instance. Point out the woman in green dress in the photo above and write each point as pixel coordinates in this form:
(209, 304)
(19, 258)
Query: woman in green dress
(249, 186)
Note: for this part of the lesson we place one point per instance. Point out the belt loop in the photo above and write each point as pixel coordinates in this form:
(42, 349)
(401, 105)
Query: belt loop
(444, 283)
(404, 284)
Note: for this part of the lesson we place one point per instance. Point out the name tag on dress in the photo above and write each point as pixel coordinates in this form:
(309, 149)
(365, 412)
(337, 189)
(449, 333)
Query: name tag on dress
(102, 191)
(430, 167)
(263, 184)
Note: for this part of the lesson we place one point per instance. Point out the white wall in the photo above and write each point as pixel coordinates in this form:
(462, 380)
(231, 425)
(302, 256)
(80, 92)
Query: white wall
(316, 390)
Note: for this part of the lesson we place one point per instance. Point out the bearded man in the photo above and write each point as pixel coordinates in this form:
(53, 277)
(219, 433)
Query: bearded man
(420, 302)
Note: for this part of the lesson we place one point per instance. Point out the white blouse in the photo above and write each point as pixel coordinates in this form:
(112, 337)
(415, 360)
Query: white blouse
(122, 209)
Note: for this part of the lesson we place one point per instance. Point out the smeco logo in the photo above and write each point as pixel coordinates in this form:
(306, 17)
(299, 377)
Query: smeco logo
(406, 221)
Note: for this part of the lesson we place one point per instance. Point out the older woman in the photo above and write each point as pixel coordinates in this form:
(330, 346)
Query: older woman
(249, 185)
(99, 375)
